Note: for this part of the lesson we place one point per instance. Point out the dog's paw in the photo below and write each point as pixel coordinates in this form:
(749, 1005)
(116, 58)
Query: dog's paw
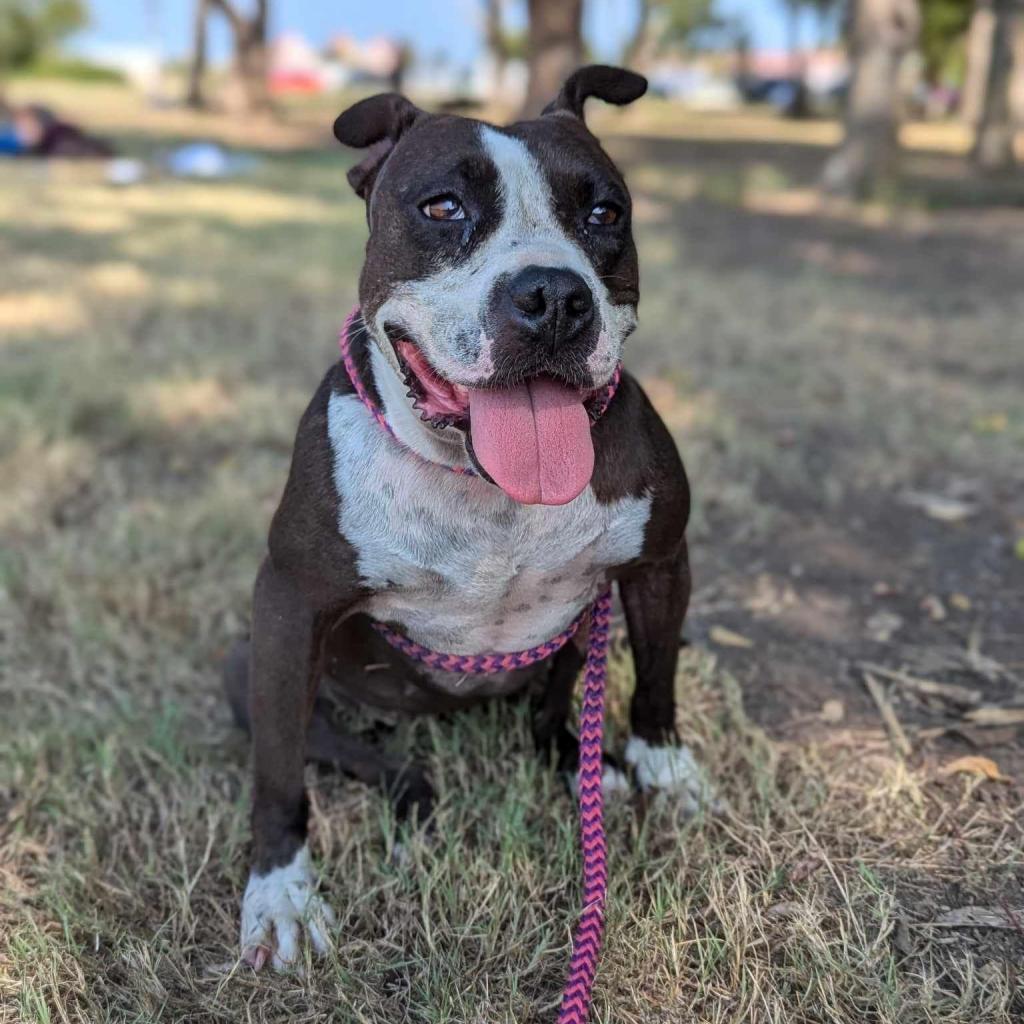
(673, 769)
(276, 908)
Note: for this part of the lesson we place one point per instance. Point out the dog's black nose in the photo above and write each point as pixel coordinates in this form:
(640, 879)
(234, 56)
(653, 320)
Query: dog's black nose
(553, 302)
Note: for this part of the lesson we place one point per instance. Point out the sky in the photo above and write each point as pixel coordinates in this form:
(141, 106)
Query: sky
(431, 26)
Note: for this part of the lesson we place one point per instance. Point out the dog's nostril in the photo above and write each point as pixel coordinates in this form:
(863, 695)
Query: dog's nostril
(580, 301)
(529, 300)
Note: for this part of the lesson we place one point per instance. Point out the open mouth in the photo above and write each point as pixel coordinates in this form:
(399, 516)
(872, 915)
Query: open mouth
(532, 439)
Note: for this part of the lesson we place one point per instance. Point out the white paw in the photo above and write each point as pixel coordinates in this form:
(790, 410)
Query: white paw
(613, 783)
(672, 769)
(275, 909)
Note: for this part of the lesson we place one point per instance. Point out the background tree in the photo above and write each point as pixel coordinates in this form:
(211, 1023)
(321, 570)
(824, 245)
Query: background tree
(554, 48)
(879, 35)
(197, 65)
(249, 32)
(944, 25)
(669, 22)
(31, 28)
(496, 40)
(995, 128)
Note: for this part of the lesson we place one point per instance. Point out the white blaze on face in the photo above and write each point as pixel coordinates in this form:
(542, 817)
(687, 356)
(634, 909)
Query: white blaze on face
(446, 312)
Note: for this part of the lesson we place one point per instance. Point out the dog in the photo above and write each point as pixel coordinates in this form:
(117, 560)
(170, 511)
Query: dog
(499, 285)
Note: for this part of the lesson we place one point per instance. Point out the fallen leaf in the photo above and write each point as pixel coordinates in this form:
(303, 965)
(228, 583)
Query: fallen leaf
(996, 716)
(961, 602)
(833, 711)
(940, 506)
(882, 625)
(787, 908)
(934, 607)
(974, 764)
(803, 869)
(981, 917)
(994, 423)
(901, 937)
(727, 638)
(1018, 548)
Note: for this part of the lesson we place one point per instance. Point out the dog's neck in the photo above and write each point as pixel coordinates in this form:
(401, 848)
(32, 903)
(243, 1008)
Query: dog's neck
(446, 446)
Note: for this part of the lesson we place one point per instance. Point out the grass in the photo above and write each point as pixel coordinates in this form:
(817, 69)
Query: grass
(157, 346)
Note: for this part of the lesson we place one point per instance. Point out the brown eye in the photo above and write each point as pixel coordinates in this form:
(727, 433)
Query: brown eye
(443, 208)
(603, 213)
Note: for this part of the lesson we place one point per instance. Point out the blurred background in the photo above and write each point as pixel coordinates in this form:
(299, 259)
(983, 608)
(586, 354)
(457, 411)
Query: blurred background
(829, 210)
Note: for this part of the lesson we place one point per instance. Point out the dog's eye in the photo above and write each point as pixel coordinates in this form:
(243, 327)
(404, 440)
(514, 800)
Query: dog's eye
(604, 213)
(443, 208)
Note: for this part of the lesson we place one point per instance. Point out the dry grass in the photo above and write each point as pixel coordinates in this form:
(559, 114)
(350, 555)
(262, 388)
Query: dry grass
(157, 346)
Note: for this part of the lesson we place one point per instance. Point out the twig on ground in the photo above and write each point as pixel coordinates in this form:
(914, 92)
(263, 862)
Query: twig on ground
(962, 696)
(896, 734)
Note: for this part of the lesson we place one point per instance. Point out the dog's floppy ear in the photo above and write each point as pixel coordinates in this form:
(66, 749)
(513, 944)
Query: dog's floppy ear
(613, 85)
(376, 123)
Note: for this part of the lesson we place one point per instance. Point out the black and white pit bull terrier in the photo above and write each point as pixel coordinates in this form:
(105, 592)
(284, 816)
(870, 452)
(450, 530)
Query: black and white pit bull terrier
(499, 285)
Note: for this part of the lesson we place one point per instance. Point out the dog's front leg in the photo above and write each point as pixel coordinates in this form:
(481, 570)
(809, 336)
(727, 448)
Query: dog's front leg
(655, 600)
(280, 898)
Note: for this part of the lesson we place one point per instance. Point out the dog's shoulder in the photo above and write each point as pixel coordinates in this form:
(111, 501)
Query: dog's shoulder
(304, 538)
(635, 455)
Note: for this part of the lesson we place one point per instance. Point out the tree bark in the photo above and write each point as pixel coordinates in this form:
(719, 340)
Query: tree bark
(494, 33)
(995, 130)
(636, 46)
(798, 106)
(555, 41)
(979, 56)
(880, 33)
(197, 66)
(250, 64)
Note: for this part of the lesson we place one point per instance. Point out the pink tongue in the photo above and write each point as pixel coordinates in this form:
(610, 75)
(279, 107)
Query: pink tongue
(533, 440)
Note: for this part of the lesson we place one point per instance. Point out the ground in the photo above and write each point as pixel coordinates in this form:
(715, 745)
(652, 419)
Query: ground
(845, 386)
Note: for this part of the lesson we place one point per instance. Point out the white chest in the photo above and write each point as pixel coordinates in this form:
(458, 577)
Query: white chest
(462, 567)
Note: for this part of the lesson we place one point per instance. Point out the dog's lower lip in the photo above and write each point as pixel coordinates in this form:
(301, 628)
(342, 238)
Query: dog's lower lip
(443, 403)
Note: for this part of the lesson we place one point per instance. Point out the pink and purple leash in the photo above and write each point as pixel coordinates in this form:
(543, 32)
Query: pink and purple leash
(577, 994)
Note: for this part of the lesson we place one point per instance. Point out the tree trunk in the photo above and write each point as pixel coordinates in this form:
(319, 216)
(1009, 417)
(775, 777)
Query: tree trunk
(197, 67)
(880, 33)
(250, 63)
(494, 33)
(636, 47)
(979, 56)
(798, 106)
(993, 140)
(555, 42)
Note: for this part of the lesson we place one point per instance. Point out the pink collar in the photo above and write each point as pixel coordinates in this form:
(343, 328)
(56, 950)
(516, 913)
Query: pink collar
(598, 409)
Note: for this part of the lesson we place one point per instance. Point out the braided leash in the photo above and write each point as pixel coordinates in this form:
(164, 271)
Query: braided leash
(576, 995)
(587, 941)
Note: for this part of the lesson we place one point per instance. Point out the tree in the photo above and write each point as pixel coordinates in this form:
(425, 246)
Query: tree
(496, 40)
(944, 24)
(665, 21)
(197, 66)
(555, 49)
(29, 28)
(995, 130)
(249, 30)
(880, 33)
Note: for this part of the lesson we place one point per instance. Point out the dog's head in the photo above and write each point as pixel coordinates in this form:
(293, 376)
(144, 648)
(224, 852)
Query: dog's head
(500, 279)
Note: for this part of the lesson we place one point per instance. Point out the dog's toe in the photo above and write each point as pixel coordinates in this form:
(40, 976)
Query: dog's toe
(672, 768)
(277, 908)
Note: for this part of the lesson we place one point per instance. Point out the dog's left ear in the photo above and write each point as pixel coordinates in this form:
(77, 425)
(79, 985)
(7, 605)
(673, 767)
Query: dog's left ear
(613, 85)
(378, 123)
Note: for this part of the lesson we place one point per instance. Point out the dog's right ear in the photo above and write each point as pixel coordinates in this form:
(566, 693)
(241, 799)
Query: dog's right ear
(377, 123)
